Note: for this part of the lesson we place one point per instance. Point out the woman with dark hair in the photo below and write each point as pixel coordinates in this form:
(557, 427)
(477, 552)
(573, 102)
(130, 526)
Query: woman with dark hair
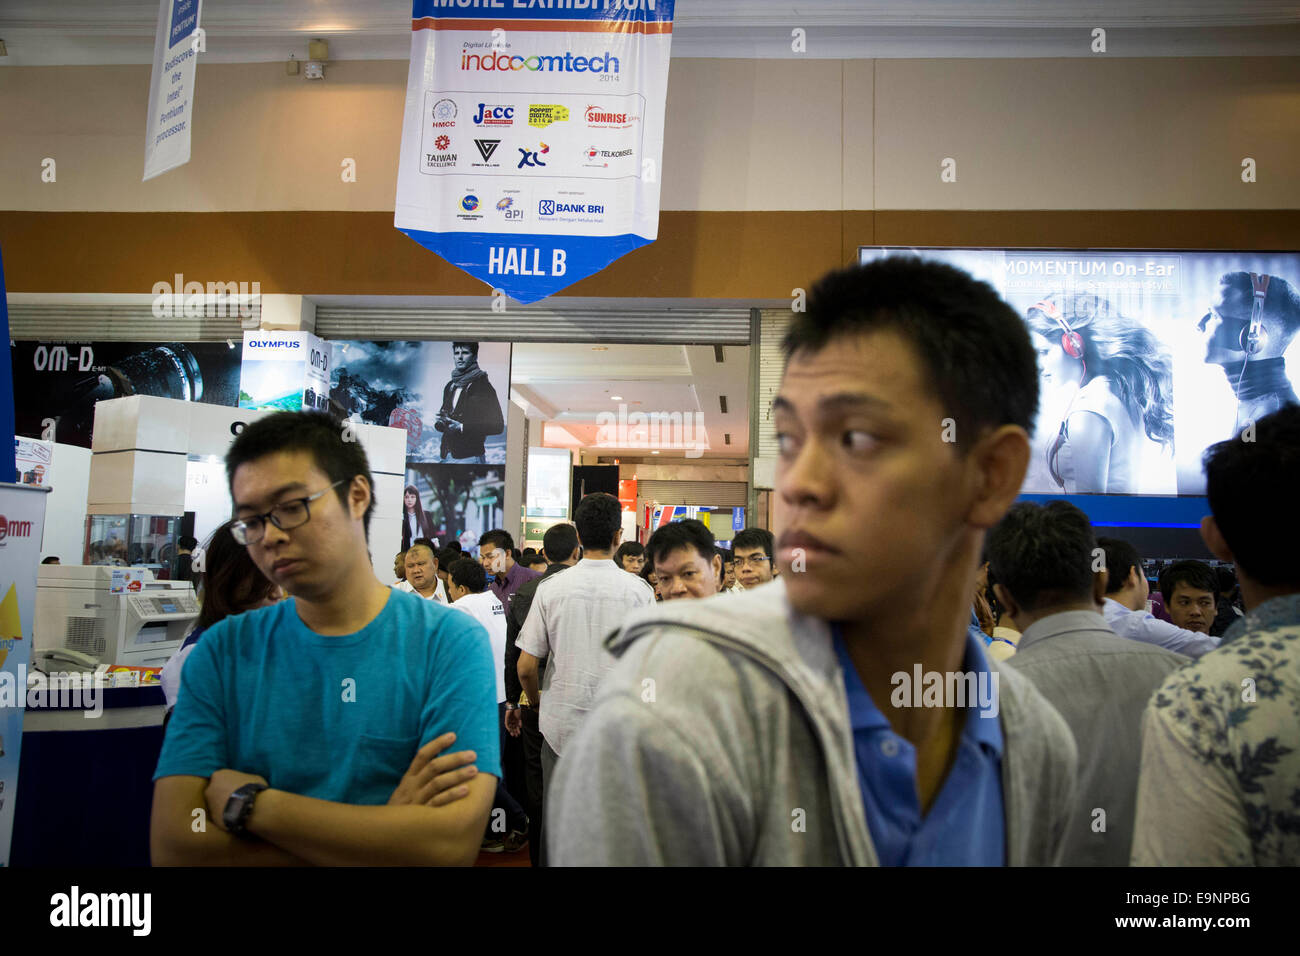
(648, 576)
(415, 524)
(1124, 383)
(630, 556)
(229, 584)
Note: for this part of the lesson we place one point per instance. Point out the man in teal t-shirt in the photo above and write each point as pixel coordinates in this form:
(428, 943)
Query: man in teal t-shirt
(307, 732)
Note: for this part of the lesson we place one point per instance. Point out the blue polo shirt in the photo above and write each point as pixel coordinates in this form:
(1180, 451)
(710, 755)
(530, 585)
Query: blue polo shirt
(966, 824)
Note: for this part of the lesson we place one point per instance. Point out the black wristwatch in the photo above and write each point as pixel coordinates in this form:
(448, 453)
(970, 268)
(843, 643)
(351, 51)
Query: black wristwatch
(240, 807)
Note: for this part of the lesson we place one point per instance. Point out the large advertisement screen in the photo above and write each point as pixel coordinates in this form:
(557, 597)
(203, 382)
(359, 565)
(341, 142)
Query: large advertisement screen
(1145, 358)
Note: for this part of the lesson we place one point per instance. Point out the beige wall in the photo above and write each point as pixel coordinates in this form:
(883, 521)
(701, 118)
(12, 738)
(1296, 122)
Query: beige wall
(741, 135)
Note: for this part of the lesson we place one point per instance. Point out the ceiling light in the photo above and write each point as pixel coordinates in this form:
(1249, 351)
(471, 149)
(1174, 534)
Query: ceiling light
(616, 398)
(600, 348)
(655, 452)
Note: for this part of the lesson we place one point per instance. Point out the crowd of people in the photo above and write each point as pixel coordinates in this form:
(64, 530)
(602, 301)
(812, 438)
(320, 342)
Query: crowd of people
(989, 683)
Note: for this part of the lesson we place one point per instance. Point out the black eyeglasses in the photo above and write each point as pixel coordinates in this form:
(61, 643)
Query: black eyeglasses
(757, 560)
(286, 516)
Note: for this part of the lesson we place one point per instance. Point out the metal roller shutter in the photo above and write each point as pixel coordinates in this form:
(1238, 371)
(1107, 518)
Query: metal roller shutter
(731, 494)
(646, 326)
(772, 326)
(120, 323)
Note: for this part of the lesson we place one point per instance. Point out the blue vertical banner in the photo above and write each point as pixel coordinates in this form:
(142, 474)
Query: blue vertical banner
(8, 472)
(533, 138)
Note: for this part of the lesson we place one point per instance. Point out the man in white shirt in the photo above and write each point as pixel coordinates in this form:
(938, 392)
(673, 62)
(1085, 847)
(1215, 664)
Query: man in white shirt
(422, 575)
(571, 615)
(467, 584)
(1125, 608)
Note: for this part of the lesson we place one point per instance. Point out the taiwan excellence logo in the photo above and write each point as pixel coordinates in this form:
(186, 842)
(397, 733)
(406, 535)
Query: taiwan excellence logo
(442, 143)
(444, 113)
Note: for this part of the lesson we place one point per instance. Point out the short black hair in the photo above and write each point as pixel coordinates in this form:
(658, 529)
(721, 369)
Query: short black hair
(1120, 556)
(52, 559)
(498, 538)
(527, 553)
(755, 538)
(535, 560)
(1252, 487)
(313, 432)
(455, 545)
(1043, 555)
(726, 556)
(447, 557)
(472, 346)
(598, 518)
(1195, 574)
(559, 542)
(687, 533)
(468, 573)
(975, 348)
(187, 541)
(1226, 578)
(628, 549)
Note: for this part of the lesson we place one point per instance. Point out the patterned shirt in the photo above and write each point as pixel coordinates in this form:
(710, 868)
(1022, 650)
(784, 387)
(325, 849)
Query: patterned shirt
(1220, 780)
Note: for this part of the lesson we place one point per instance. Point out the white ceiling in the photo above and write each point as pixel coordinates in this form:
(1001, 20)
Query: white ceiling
(571, 386)
(88, 32)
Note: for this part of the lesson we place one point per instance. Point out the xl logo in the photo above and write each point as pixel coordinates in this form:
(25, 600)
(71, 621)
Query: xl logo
(530, 158)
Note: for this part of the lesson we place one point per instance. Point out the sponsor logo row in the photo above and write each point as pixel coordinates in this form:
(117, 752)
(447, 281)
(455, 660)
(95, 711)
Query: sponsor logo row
(511, 208)
(530, 156)
(447, 113)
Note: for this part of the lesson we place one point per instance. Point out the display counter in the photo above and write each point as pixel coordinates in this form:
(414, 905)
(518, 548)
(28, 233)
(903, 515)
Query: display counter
(85, 783)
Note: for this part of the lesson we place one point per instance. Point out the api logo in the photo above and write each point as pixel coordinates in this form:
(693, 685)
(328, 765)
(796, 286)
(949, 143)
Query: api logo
(469, 203)
(509, 212)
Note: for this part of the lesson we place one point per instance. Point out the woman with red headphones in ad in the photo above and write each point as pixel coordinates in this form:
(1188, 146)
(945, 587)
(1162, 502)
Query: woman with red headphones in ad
(1122, 380)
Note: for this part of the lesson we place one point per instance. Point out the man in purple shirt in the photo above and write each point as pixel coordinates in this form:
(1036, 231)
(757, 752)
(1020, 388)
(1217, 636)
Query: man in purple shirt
(504, 575)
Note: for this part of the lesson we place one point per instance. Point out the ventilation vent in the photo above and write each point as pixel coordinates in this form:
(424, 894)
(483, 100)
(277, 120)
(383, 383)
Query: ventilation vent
(718, 355)
(722, 401)
(86, 634)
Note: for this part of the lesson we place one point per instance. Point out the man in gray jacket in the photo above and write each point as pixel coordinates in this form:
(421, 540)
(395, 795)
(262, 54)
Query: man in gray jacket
(843, 714)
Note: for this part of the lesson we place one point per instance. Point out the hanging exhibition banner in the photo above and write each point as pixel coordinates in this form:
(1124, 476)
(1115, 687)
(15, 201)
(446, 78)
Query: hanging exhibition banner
(533, 136)
(22, 521)
(171, 87)
(6, 383)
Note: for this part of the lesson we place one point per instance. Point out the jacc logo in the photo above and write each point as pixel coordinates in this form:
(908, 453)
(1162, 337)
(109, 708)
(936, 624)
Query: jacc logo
(489, 115)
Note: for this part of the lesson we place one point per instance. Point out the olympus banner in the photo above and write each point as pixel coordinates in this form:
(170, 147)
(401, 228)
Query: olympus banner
(532, 138)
